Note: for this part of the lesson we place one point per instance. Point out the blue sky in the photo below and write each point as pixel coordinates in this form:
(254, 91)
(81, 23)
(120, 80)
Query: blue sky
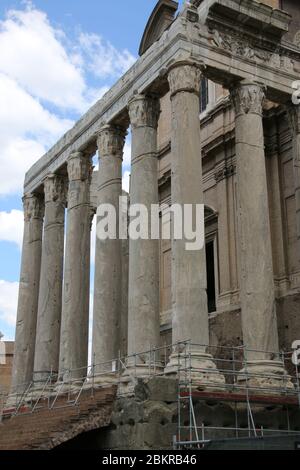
(57, 58)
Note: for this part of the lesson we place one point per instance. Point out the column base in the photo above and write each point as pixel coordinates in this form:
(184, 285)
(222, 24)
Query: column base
(143, 370)
(265, 377)
(197, 369)
(67, 387)
(133, 372)
(104, 379)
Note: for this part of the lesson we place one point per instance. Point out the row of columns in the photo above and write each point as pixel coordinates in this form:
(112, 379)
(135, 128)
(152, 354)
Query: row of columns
(53, 305)
(66, 317)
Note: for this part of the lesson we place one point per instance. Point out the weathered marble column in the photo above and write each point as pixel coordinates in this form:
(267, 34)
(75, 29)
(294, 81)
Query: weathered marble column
(189, 297)
(50, 296)
(294, 120)
(108, 259)
(143, 290)
(259, 321)
(75, 308)
(28, 292)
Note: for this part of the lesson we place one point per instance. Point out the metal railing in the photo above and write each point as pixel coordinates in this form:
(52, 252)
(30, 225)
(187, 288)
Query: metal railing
(62, 389)
(70, 383)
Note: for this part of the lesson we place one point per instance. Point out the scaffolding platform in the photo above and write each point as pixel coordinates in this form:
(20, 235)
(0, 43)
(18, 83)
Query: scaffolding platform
(241, 398)
(251, 402)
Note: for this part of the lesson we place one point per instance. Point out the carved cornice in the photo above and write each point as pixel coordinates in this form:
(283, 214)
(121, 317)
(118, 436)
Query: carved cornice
(80, 167)
(293, 114)
(248, 98)
(249, 15)
(225, 172)
(165, 178)
(240, 43)
(34, 207)
(181, 38)
(111, 140)
(55, 188)
(144, 111)
(184, 76)
(296, 40)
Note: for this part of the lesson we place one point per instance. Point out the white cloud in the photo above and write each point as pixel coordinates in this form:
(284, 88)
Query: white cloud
(26, 130)
(39, 65)
(33, 54)
(103, 59)
(127, 155)
(11, 227)
(21, 114)
(8, 302)
(17, 156)
(45, 62)
(126, 181)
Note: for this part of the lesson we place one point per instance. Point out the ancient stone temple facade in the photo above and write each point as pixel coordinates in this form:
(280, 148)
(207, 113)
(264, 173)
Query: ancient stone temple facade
(233, 64)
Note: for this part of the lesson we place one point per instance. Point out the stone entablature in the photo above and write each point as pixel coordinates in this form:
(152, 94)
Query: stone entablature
(275, 64)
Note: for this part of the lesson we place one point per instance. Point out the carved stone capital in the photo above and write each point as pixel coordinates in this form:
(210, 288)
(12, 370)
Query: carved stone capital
(293, 113)
(144, 111)
(184, 76)
(111, 140)
(225, 172)
(55, 188)
(34, 207)
(248, 98)
(80, 167)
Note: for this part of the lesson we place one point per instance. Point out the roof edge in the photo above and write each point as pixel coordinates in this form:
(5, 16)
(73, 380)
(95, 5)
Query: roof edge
(160, 19)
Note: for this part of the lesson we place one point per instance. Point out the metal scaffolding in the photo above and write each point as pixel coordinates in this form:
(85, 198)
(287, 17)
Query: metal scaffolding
(239, 390)
(63, 389)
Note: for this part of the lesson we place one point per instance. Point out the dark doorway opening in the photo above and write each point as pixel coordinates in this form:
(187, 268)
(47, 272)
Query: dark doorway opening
(203, 95)
(210, 272)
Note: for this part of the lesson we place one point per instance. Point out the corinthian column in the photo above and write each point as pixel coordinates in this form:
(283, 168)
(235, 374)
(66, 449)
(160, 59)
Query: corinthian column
(189, 297)
(50, 296)
(28, 292)
(259, 321)
(294, 120)
(108, 259)
(75, 308)
(143, 291)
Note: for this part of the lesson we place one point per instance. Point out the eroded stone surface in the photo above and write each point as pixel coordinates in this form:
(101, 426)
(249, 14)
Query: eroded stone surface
(28, 292)
(75, 308)
(50, 289)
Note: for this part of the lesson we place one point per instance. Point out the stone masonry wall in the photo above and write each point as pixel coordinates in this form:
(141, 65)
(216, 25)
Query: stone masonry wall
(149, 419)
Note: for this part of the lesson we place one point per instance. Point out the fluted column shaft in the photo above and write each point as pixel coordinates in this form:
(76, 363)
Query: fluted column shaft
(28, 292)
(143, 291)
(259, 321)
(75, 309)
(50, 296)
(294, 119)
(108, 259)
